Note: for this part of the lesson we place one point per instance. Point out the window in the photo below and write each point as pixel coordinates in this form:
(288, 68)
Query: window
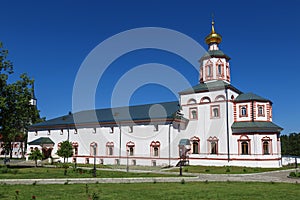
(213, 145)
(215, 111)
(93, 149)
(243, 111)
(131, 151)
(245, 148)
(192, 101)
(110, 148)
(205, 100)
(195, 145)
(193, 113)
(209, 73)
(220, 70)
(154, 148)
(130, 148)
(244, 145)
(154, 163)
(260, 111)
(266, 144)
(75, 148)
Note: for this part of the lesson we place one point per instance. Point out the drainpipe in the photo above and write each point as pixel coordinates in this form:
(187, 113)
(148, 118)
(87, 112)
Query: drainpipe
(120, 144)
(252, 111)
(169, 144)
(227, 126)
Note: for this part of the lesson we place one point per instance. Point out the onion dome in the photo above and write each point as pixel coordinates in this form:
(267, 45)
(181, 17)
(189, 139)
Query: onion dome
(213, 37)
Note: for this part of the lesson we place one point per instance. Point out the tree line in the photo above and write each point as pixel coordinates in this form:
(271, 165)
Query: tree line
(290, 144)
(16, 109)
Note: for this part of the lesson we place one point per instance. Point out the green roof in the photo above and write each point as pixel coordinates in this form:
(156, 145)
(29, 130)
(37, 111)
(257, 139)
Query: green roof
(41, 141)
(249, 97)
(184, 142)
(210, 86)
(255, 127)
(140, 114)
(215, 54)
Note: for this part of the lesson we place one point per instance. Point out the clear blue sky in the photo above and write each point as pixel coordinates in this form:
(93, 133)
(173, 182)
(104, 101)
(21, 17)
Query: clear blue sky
(50, 39)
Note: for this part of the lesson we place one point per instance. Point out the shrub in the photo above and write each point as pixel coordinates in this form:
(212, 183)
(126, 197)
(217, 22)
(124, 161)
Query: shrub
(227, 169)
(182, 181)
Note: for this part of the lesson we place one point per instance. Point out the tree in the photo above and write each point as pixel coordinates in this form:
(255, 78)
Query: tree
(290, 144)
(35, 155)
(16, 112)
(65, 151)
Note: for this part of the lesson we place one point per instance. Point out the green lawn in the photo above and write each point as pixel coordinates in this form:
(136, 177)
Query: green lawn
(224, 170)
(27, 173)
(191, 190)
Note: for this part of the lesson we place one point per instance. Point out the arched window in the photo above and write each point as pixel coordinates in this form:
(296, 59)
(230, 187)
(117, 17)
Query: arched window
(195, 145)
(93, 149)
(244, 145)
(266, 145)
(192, 101)
(220, 98)
(154, 148)
(75, 148)
(205, 100)
(261, 110)
(130, 148)
(243, 111)
(220, 72)
(213, 145)
(215, 111)
(193, 113)
(245, 148)
(110, 148)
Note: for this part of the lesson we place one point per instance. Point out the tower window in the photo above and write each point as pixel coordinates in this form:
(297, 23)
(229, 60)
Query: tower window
(215, 111)
(209, 72)
(219, 70)
(243, 111)
(193, 113)
(260, 111)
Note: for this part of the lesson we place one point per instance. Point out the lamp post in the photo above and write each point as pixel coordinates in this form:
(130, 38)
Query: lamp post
(180, 161)
(127, 167)
(94, 170)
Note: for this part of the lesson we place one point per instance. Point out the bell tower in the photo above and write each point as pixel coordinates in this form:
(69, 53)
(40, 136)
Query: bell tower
(214, 65)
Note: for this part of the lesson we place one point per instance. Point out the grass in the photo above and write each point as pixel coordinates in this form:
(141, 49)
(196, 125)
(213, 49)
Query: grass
(191, 190)
(224, 169)
(45, 173)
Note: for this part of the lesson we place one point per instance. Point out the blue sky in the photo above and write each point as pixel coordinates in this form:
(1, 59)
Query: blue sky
(50, 39)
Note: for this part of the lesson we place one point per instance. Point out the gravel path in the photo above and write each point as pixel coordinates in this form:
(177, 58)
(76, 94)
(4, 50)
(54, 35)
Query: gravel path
(274, 176)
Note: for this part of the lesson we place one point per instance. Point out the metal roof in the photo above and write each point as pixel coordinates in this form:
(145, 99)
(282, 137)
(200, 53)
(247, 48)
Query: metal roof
(139, 114)
(250, 97)
(210, 86)
(41, 141)
(255, 127)
(215, 54)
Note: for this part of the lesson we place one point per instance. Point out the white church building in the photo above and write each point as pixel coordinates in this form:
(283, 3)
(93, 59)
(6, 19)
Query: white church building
(213, 124)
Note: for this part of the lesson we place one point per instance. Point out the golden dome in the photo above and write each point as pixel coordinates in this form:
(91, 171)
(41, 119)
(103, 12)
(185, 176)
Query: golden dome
(213, 37)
